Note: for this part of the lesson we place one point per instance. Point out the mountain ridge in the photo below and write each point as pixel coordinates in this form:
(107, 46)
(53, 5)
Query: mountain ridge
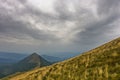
(101, 63)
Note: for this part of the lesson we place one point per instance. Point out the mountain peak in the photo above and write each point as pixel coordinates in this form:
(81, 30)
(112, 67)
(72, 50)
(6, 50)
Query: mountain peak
(30, 62)
(34, 59)
(35, 54)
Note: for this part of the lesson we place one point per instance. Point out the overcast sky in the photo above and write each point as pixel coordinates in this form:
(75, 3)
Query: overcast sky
(50, 26)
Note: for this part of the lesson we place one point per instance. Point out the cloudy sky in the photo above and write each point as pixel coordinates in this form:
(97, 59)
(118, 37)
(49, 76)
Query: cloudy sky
(50, 26)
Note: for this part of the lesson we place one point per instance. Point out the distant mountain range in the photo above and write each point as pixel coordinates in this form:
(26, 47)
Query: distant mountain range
(15, 57)
(6, 61)
(52, 59)
(28, 63)
(17, 62)
(7, 57)
(101, 63)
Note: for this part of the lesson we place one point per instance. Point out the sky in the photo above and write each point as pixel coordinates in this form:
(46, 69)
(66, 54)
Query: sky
(54, 26)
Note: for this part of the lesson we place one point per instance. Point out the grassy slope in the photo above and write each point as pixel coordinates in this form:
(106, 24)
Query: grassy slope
(102, 63)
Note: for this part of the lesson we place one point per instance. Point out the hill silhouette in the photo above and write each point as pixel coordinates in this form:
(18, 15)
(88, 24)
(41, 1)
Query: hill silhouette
(28, 63)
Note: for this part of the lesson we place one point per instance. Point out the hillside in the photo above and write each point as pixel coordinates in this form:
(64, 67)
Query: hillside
(101, 63)
(28, 63)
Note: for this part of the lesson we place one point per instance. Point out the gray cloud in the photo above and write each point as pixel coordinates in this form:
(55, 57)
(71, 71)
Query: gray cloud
(108, 6)
(74, 26)
(99, 31)
(10, 25)
(18, 29)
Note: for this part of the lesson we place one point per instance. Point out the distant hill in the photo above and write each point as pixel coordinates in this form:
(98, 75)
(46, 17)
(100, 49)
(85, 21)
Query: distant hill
(52, 59)
(101, 63)
(28, 63)
(4, 60)
(16, 57)
(8, 57)
(31, 61)
(64, 55)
